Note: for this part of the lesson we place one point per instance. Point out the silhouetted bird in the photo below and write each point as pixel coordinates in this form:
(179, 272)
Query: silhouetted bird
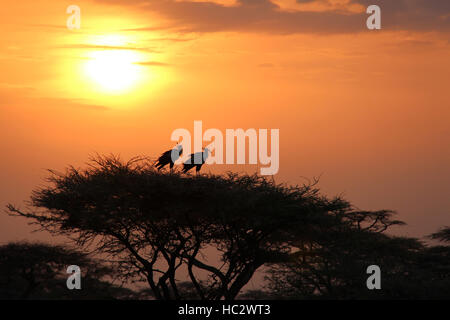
(196, 160)
(169, 157)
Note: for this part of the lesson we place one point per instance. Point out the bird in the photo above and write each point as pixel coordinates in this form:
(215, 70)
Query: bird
(191, 162)
(169, 157)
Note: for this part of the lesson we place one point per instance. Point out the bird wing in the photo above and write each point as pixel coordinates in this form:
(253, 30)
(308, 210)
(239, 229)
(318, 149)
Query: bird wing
(165, 155)
(190, 160)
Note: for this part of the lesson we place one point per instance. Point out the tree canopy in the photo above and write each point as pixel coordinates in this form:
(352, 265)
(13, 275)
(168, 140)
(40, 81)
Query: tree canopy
(37, 271)
(215, 231)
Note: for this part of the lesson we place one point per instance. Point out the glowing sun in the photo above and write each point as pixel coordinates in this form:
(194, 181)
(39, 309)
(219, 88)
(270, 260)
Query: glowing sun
(114, 71)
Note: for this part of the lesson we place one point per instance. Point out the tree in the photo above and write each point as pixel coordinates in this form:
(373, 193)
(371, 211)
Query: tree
(334, 268)
(38, 271)
(204, 237)
(442, 235)
(151, 223)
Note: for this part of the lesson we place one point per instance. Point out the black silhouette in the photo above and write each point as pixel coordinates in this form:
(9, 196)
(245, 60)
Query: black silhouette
(196, 160)
(38, 271)
(410, 269)
(169, 157)
(442, 235)
(161, 229)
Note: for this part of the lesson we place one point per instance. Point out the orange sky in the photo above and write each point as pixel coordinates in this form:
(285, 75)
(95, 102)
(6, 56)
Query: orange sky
(366, 110)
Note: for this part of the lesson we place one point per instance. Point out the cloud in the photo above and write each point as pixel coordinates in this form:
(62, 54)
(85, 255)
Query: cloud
(80, 103)
(105, 47)
(266, 65)
(172, 39)
(149, 28)
(266, 16)
(13, 95)
(152, 63)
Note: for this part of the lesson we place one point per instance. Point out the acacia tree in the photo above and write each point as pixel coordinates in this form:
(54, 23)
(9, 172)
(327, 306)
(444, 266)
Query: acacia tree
(151, 224)
(215, 231)
(442, 235)
(334, 265)
(38, 271)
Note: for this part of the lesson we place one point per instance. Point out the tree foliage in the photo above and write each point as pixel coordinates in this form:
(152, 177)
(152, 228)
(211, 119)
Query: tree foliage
(442, 235)
(164, 228)
(38, 271)
(334, 267)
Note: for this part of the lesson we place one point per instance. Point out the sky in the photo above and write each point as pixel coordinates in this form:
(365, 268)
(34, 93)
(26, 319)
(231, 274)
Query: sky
(367, 111)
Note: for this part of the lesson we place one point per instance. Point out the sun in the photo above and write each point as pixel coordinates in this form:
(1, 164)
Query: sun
(114, 71)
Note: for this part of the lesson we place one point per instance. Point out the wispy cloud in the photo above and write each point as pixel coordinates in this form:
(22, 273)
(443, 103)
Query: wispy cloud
(266, 16)
(106, 47)
(172, 39)
(266, 65)
(152, 63)
(12, 95)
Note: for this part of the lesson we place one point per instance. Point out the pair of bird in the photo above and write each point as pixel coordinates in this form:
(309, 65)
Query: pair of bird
(195, 159)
